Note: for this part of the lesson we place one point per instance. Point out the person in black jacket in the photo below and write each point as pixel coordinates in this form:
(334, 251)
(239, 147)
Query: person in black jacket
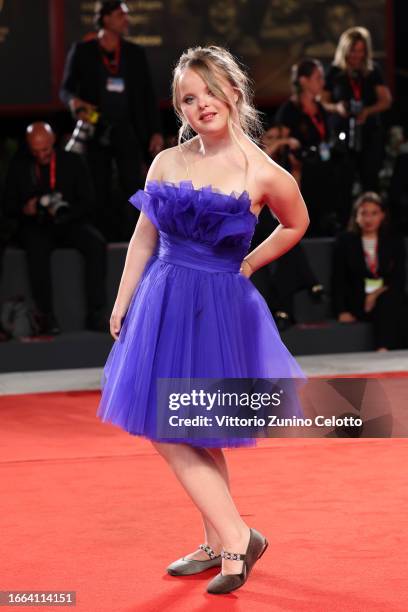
(368, 280)
(49, 194)
(356, 94)
(309, 155)
(108, 79)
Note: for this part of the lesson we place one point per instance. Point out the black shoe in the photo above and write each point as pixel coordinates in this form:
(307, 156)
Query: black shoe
(97, 321)
(48, 324)
(188, 567)
(222, 584)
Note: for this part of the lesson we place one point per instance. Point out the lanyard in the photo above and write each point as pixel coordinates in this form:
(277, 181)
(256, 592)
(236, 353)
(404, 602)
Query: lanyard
(372, 262)
(53, 171)
(356, 86)
(318, 122)
(112, 67)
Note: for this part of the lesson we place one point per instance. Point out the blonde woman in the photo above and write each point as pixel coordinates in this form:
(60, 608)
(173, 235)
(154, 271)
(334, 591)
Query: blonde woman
(356, 93)
(185, 307)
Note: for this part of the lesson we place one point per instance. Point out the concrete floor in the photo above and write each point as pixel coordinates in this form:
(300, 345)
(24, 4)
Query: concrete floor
(313, 365)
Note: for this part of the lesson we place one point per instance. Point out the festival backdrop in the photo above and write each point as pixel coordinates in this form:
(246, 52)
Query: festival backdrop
(268, 36)
(25, 67)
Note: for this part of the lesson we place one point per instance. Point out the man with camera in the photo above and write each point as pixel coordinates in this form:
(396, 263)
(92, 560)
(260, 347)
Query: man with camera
(50, 194)
(107, 85)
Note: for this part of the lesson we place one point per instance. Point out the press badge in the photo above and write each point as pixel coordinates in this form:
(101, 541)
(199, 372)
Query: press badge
(324, 151)
(372, 284)
(115, 84)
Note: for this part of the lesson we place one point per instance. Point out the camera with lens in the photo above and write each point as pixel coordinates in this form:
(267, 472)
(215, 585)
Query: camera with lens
(84, 131)
(52, 204)
(315, 153)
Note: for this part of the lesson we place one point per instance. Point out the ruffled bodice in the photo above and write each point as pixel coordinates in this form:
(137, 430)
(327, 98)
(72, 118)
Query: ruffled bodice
(220, 221)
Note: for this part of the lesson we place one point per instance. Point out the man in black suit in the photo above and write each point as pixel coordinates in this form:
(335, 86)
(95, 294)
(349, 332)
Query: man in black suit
(49, 194)
(110, 76)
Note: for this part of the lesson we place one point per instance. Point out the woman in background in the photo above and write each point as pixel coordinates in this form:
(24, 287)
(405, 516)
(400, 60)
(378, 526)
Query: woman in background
(369, 274)
(356, 94)
(308, 155)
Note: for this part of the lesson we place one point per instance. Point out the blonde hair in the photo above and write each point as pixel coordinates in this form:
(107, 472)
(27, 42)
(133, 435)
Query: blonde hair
(347, 41)
(209, 63)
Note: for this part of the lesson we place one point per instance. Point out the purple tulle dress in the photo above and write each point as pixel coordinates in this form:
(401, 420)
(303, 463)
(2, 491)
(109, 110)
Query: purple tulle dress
(193, 314)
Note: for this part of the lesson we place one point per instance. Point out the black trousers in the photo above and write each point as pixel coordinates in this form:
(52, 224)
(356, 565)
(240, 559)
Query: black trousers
(292, 273)
(113, 215)
(364, 165)
(389, 319)
(40, 240)
(326, 193)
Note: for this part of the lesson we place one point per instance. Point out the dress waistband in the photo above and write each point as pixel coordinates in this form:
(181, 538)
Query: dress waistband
(192, 254)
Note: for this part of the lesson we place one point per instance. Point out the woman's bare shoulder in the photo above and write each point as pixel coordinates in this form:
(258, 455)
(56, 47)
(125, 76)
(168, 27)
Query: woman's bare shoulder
(267, 172)
(169, 161)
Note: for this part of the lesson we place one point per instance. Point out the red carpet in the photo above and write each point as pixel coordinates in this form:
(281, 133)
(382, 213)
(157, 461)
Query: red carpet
(88, 508)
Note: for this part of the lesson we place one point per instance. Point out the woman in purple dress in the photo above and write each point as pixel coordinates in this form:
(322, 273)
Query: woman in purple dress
(186, 308)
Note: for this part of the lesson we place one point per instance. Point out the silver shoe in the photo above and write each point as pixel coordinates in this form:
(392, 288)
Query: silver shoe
(188, 567)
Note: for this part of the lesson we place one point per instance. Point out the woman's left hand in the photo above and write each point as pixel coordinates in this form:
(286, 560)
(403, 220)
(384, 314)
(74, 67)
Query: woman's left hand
(370, 301)
(245, 269)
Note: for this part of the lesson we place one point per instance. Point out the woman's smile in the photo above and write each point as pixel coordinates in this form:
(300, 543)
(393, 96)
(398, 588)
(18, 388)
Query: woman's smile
(207, 116)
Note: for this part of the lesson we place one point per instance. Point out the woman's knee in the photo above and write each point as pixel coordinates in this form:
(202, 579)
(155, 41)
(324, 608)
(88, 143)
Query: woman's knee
(172, 451)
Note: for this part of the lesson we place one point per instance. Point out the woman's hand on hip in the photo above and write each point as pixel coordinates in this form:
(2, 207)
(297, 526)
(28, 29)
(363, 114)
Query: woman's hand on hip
(245, 269)
(116, 320)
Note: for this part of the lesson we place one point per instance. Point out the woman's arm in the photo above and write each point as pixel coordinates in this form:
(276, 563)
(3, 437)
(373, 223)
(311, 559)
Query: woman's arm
(282, 195)
(141, 248)
(338, 108)
(384, 101)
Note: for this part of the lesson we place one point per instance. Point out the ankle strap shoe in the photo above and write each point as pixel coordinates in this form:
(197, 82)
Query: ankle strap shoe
(230, 582)
(188, 567)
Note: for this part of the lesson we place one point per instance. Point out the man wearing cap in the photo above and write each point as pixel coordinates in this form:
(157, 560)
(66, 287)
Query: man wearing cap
(108, 79)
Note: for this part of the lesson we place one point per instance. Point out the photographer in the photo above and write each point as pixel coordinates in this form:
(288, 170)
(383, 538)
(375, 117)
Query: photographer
(49, 193)
(355, 92)
(309, 153)
(107, 86)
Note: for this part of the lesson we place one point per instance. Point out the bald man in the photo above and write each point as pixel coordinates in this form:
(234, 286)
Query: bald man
(49, 193)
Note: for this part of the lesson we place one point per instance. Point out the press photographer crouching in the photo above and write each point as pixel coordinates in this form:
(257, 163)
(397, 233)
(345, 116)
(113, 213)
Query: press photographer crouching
(49, 192)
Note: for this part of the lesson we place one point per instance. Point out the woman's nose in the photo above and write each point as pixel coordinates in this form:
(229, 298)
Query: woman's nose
(203, 102)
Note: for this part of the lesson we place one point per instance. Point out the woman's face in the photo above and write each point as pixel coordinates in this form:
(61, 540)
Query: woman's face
(369, 217)
(357, 55)
(314, 83)
(205, 113)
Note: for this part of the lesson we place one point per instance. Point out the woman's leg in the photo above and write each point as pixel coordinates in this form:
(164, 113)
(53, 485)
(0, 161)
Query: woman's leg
(203, 476)
(211, 536)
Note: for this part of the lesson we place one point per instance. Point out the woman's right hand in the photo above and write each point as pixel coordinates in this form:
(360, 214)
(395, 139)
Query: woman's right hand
(116, 319)
(347, 317)
(341, 109)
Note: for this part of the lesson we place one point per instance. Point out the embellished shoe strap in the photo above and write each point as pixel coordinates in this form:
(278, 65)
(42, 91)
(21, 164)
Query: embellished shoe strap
(208, 550)
(233, 556)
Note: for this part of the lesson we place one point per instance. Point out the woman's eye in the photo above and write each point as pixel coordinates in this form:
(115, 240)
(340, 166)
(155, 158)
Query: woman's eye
(188, 99)
(210, 93)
